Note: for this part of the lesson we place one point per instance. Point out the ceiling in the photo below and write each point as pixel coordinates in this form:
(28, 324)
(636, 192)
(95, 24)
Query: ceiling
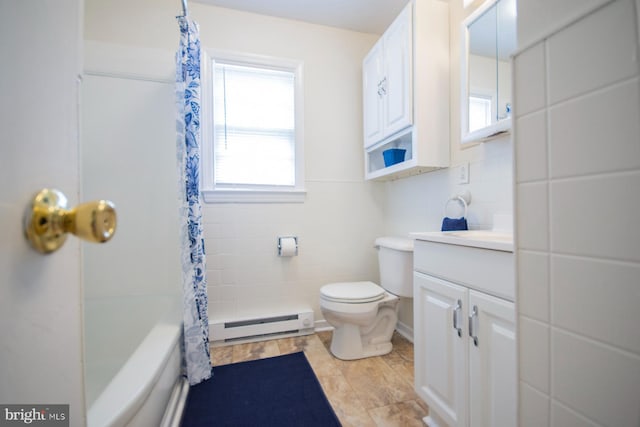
(367, 16)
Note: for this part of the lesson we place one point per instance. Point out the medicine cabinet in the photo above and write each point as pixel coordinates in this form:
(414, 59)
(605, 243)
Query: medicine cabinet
(488, 40)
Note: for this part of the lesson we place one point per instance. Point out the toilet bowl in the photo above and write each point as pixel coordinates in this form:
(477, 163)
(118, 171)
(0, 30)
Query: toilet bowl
(364, 314)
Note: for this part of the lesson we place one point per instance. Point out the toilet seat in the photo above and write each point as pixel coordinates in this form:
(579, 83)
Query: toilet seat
(352, 292)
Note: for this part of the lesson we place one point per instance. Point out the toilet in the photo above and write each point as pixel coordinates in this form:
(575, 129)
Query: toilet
(364, 314)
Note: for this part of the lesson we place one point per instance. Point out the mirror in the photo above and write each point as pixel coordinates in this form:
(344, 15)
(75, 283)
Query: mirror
(489, 39)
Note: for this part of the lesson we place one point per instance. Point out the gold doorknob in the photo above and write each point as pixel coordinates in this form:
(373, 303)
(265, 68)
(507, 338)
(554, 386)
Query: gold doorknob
(47, 221)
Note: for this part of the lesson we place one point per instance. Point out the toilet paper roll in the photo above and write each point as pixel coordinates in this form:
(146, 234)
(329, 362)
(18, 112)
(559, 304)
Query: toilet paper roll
(288, 246)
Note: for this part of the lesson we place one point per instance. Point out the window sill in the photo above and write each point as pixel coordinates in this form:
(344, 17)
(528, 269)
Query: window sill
(254, 196)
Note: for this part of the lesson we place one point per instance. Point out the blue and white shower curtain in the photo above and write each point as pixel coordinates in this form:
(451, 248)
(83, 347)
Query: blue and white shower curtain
(196, 322)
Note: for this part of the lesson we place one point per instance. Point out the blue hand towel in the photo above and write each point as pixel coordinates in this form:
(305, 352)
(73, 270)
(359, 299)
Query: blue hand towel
(452, 224)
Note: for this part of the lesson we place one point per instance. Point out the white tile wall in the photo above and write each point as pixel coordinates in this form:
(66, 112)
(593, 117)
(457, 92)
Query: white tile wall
(578, 241)
(598, 381)
(532, 209)
(534, 354)
(565, 417)
(534, 407)
(537, 18)
(336, 228)
(530, 86)
(600, 315)
(533, 284)
(582, 57)
(602, 126)
(532, 153)
(594, 216)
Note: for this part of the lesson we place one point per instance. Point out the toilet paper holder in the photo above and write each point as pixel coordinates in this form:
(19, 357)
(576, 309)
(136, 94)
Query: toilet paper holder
(284, 246)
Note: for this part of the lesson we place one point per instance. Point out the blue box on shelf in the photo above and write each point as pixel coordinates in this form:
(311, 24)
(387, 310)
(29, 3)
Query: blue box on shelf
(393, 156)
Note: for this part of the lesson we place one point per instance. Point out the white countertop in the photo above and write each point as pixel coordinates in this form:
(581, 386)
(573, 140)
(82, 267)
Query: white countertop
(487, 239)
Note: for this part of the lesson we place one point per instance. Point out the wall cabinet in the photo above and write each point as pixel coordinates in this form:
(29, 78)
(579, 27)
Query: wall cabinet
(465, 349)
(387, 82)
(406, 92)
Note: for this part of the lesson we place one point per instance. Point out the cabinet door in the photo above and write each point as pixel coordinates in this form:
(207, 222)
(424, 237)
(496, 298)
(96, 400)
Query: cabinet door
(372, 95)
(440, 348)
(492, 361)
(397, 80)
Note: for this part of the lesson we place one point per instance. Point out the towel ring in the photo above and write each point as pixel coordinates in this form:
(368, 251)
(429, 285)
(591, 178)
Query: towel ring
(464, 199)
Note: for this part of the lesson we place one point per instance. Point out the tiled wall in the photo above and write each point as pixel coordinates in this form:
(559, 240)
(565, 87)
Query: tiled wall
(577, 158)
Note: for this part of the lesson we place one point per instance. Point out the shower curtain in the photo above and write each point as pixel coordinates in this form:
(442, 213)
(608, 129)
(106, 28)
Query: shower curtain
(196, 323)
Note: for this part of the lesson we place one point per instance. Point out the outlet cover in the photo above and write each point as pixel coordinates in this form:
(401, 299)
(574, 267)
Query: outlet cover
(463, 173)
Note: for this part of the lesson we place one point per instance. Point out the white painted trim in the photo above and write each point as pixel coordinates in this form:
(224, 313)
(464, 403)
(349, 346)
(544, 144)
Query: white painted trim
(405, 330)
(470, 139)
(322, 325)
(247, 194)
(128, 62)
(254, 196)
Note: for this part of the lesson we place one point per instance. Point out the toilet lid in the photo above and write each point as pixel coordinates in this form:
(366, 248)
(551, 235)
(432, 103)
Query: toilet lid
(352, 292)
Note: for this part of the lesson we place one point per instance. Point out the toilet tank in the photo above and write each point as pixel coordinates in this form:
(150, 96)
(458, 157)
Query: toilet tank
(395, 259)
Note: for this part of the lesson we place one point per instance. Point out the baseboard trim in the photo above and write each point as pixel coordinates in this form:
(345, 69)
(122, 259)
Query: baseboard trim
(405, 330)
(322, 325)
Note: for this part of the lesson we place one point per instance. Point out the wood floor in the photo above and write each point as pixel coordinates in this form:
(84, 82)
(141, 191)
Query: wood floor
(376, 391)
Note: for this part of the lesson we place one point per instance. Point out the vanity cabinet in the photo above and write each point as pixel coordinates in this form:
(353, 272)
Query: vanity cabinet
(406, 92)
(464, 337)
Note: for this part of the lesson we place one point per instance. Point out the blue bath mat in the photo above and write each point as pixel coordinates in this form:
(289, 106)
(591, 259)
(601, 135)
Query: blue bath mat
(278, 391)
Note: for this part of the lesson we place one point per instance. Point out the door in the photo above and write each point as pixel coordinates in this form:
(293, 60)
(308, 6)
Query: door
(440, 354)
(397, 81)
(492, 361)
(372, 94)
(40, 295)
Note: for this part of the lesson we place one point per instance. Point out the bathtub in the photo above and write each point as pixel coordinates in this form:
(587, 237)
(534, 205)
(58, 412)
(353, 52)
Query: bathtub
(146, 387)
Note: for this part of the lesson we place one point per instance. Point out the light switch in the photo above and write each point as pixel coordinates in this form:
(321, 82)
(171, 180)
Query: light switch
(463, 173)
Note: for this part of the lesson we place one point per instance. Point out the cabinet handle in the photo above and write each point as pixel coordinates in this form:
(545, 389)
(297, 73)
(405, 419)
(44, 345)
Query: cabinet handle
(383, 86)
(457, 311)
(473, 325)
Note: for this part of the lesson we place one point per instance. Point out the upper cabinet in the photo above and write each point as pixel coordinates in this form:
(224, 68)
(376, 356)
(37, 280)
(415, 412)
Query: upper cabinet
(406, 94)
(488, 41)
(387, 82)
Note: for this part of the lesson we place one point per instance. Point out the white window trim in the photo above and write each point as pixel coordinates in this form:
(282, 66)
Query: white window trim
(255, 194)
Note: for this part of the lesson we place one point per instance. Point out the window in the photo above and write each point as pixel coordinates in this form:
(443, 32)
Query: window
(252, 129)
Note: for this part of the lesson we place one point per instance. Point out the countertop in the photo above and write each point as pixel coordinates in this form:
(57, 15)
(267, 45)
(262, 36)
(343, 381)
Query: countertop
(487, 239)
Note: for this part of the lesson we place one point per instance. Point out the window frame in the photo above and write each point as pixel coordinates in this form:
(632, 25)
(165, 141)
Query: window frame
(242, 193)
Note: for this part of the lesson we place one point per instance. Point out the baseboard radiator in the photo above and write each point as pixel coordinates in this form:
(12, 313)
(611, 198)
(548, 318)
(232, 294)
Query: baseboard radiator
(262, 328)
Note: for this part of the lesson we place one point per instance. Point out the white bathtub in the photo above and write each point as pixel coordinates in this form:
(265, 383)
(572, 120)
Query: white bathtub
(139, 393)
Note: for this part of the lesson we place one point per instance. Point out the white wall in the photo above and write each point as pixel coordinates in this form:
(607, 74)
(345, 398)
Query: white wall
(578, 173)
(342, 214)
